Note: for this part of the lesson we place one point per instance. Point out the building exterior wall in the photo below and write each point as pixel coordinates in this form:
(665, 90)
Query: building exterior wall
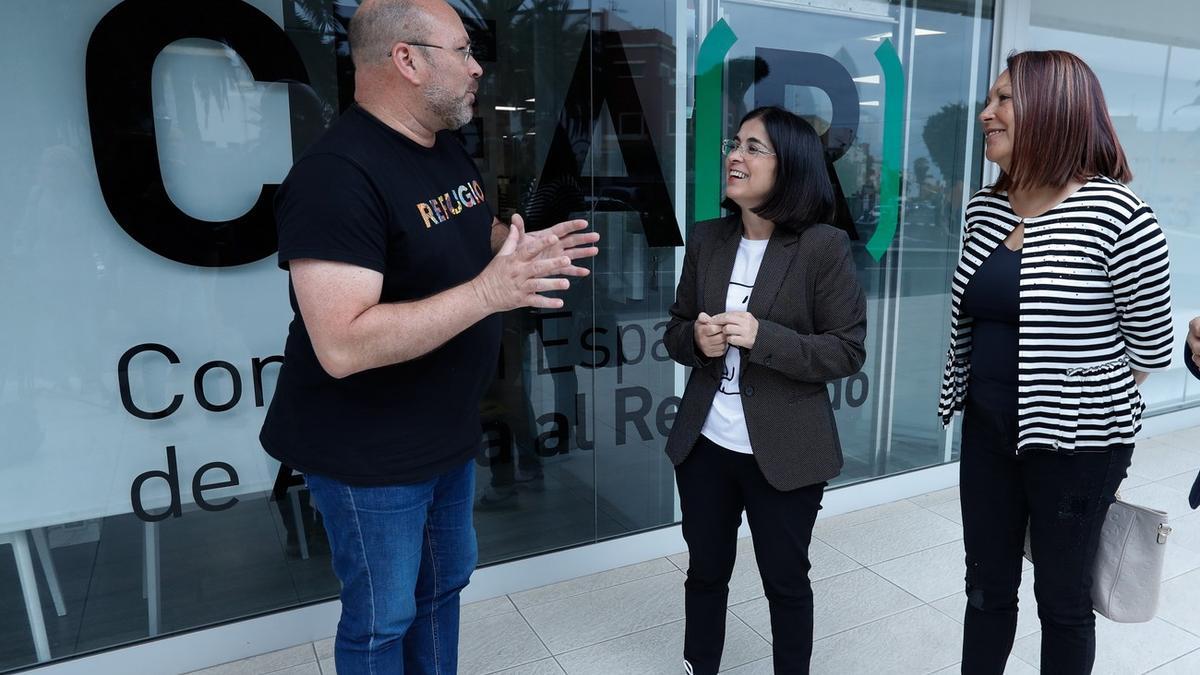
(146, 316)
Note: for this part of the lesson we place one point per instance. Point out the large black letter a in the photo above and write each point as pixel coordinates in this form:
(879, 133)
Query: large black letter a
(604, 69)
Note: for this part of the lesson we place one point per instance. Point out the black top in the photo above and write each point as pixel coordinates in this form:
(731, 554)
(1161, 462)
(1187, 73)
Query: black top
(367, 195)
(992, 298)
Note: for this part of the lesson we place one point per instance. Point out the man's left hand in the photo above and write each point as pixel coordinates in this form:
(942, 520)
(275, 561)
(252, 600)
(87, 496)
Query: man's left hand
(740, 328)
(572, 242)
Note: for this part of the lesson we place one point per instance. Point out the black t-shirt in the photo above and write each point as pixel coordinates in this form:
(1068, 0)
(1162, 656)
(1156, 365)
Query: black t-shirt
(993, 298)
(365, 194)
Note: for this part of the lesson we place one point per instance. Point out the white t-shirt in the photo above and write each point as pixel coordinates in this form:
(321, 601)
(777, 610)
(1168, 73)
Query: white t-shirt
(726, 421)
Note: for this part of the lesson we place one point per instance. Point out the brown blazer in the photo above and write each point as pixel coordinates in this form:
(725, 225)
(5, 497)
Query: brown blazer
(812, 320)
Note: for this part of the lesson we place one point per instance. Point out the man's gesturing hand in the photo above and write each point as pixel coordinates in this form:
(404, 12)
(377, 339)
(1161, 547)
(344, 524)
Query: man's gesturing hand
(740, 328)
(710, 338)
(517, 275)
(571, 242)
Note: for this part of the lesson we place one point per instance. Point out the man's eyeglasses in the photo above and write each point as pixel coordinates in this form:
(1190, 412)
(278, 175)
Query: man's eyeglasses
(467, 52)
(751, 149)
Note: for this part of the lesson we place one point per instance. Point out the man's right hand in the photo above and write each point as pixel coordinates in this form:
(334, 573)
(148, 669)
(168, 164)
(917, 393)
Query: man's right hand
(520, 272)
(710, 337)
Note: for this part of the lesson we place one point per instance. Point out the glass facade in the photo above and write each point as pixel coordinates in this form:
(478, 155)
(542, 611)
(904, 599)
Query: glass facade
(146, 315)
(1149, 65)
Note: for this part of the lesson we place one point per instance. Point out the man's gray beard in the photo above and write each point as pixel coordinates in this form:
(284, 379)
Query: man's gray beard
(454, 112)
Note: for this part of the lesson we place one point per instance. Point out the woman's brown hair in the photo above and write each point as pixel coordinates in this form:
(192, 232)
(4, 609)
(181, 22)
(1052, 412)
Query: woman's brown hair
(1063, 131)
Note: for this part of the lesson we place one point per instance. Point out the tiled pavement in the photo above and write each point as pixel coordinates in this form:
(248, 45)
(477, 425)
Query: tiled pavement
(888, 586)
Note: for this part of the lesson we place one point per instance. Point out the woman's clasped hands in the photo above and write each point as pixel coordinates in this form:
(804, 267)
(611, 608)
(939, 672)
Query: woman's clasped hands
(715, 333)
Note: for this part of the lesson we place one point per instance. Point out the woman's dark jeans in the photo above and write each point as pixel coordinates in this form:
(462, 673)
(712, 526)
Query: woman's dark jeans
(1063, 498)
(715, 485)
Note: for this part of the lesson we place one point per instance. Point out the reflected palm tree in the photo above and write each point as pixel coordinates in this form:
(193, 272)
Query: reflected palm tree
(322, 16)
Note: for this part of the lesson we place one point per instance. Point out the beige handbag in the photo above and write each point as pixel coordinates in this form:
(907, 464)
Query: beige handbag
(1129, 562)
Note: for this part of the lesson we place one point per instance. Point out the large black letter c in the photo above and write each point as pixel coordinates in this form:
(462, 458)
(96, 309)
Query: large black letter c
(120, 59)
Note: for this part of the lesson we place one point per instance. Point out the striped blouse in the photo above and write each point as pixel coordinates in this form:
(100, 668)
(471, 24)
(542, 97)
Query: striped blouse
(1095, 301)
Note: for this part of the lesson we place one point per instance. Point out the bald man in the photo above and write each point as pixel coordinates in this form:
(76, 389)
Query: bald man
(398, 268)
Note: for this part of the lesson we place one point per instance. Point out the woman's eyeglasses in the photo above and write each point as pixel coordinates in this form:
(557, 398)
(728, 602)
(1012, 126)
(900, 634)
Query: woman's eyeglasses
(751, 149)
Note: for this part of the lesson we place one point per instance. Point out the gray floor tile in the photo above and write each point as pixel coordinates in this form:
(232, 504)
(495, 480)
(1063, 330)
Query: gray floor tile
(954, 606)
(485, 608)
(1133, 480)
(861, 516)
(1188, 664)
(934, 498)
(827, 561)
(853, 599)
(839, 603)
(1179, 559)
(1159, 496)
(745, 584)
(327, 666)
(1187, 439)
(660, 650)
(1185, 531)
(930, 641)
(1183, 547)
(760, 667)
(324, 648)
(755, 613)
(1123, 648)
(265, 663)
(543, 667)
(588, 619)
(893, 536)
(1157, 459)
(1014, 666)
(1179, 601)
(592, 582)
(930, 574)
(951, 510)
(497, 642)
(1181, 481)
(311, 668)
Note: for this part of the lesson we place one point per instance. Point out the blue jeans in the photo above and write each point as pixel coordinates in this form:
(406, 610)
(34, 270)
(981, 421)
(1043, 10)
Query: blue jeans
(403, 553)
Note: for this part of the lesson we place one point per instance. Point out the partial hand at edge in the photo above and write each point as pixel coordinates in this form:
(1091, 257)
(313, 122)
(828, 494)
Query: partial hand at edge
(1193, 340)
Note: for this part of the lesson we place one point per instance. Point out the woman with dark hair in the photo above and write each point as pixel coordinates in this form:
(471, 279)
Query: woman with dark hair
(1060, 307)
(768, 310)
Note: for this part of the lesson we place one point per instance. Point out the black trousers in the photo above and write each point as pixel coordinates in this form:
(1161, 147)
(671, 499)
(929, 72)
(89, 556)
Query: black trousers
(715, 485)
(1063, 499)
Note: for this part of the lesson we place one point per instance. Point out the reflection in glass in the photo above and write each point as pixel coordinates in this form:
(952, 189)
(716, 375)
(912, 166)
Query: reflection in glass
(1150, 72)
(836, 81)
